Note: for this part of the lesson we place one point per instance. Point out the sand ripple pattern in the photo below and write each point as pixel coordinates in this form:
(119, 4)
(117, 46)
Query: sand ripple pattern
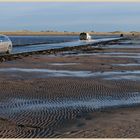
(38, 108)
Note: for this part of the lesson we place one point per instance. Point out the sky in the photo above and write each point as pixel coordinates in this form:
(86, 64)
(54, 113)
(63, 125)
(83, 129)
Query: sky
(62, 16)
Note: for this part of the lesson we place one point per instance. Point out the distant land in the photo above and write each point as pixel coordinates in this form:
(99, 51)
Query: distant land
(55, 33)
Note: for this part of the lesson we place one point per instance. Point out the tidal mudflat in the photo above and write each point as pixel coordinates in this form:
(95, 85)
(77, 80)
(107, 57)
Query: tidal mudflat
(90, 93)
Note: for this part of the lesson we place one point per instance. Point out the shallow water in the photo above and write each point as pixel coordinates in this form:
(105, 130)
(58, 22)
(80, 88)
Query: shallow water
(124, 77)
(101, 54)
(63, 64)
(32, 48)
(127, 64)
(125, 44)
(109, 75)
(53, 73)
(23, 40)
(121, 54)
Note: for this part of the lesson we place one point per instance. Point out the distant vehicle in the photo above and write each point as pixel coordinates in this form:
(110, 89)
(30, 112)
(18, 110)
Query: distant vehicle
(84, 36)
(121, 35)
(5, 44)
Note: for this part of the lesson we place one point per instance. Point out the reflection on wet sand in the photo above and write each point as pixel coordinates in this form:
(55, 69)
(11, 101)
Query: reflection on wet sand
(67, 73)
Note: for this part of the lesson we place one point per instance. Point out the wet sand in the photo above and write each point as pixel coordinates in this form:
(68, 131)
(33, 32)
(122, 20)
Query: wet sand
(84, 93)
(115, 123)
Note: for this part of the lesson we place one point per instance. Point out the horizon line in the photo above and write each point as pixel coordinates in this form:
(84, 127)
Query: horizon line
(66, 31)
(122, 1)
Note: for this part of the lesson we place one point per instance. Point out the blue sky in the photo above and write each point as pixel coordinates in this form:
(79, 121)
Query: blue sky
(70, 16)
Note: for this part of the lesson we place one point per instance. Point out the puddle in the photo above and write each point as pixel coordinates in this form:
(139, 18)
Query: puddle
(65, 73)
(125, 44)
(122, 46)
(65, 54)
(120, 54)
(120, 75)
(18, 105)
(54, 73)
(127, 56)
(128, 64)
(124, 77)
(101, 54)
(63, 64)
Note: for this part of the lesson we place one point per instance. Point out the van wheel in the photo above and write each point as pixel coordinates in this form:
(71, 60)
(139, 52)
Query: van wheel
(9, 50)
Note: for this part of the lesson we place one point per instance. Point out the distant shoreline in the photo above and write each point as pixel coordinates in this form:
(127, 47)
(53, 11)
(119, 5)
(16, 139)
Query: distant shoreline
(29, 33)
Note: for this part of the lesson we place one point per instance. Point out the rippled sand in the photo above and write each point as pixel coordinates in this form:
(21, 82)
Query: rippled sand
(42, 96)
(37, 108)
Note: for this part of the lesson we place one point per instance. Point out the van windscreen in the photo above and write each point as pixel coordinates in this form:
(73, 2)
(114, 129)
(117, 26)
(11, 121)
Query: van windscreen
(3, 38)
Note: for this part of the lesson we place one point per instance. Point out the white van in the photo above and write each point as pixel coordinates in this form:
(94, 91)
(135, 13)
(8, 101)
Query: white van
(5, 44)
(84, 36)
